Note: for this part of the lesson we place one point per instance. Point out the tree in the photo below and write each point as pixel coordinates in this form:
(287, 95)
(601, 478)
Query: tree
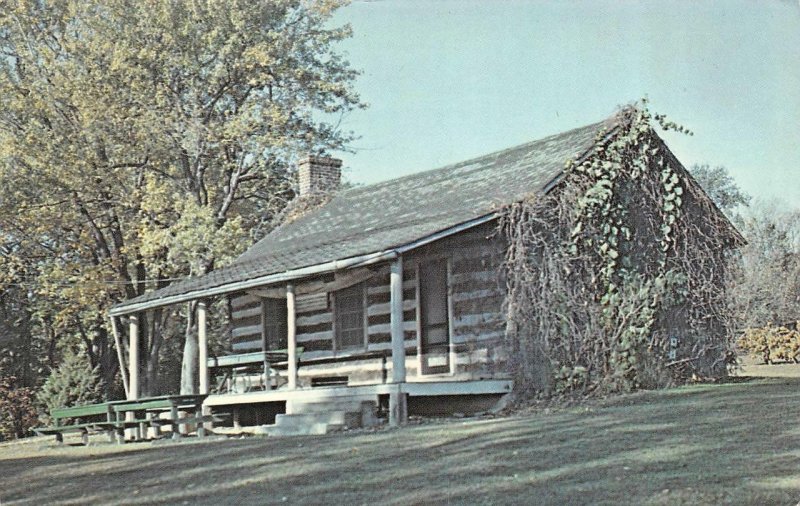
(17, 412)
(721, 187)
(142, 141)
(767, 279)
(73, 383)
(765, 286)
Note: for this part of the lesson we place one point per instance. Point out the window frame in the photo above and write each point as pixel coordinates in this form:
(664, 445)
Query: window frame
(449, 369)
(282, 309)
(336, 312)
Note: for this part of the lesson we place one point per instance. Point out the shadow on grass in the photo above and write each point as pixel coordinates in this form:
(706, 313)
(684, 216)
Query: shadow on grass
(706, 444)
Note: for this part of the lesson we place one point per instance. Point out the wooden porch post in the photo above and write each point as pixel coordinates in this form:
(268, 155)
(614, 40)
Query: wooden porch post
(133, 357)
(264, 345)
(291, 330)
(202, 344)
(398, 409)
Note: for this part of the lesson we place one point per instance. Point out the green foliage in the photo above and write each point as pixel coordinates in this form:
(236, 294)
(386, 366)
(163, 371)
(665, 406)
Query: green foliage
(720, 187)
(142, 141)
(766, 285)
(75, 382)
(17, 411)
(570, 379)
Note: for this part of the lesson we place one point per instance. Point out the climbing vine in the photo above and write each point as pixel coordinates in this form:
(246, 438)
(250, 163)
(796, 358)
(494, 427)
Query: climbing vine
(615, 278)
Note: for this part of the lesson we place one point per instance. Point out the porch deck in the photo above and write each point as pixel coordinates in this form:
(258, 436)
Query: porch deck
(413, 389)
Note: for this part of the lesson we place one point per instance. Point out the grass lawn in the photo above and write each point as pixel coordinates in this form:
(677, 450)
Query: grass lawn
(736, 443)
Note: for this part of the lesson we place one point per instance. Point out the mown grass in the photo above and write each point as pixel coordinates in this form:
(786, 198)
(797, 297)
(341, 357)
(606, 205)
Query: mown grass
(736, 443)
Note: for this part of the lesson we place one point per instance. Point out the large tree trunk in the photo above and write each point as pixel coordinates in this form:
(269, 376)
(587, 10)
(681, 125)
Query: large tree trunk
(190, 355)
(105, 358)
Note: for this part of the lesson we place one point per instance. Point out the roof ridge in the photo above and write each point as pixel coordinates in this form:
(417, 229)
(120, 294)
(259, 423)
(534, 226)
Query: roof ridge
(372, 186)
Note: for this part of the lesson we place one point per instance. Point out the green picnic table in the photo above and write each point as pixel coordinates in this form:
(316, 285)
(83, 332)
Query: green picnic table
(114, 417)
(146, 411)
(85, 419)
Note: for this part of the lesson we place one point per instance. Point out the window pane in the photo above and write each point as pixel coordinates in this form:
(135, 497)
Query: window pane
(352, 338)
(437, 334)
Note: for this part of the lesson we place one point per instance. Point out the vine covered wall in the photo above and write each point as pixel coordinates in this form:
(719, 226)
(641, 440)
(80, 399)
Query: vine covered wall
(615, 278)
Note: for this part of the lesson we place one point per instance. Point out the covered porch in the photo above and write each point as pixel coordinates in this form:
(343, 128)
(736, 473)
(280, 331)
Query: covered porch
(279, 371)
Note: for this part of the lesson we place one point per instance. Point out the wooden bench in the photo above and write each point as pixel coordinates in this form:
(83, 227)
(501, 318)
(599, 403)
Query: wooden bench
(242, 365)
(146, 412)
(85, 419)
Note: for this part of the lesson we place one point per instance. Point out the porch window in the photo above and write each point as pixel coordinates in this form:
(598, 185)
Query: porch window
(349, 316)
(275, 323)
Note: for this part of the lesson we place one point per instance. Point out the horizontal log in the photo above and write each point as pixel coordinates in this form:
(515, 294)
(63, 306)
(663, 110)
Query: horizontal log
(475, 294)
(312, 303)
(326, 335)
(386, 307)
(485, 305)
(316, 319)
(376, 290)
(474, 276)
(470, 320)
(240, 314)
(386, 327)
(241, 346)
(252, 330)
(239, 301)
(465, 338)
(410, 344)
(475, 263)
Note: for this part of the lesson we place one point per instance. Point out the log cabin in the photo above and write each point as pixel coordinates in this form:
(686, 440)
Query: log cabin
(390, 293)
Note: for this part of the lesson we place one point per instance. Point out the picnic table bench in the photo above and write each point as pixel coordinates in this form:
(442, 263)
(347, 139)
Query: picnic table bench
(87, 418)
(114, 417)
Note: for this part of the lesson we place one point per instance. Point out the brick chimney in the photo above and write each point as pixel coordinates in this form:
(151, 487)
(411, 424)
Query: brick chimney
(318, 174)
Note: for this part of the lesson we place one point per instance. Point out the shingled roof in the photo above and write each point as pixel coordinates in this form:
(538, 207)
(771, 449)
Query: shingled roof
(374, 221)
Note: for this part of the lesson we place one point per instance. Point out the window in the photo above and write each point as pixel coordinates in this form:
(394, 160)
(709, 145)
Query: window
(349, 314)
(275, 324)
(434, 317)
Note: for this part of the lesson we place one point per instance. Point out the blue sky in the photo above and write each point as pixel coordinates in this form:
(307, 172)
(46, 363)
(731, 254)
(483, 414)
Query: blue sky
(447, 80)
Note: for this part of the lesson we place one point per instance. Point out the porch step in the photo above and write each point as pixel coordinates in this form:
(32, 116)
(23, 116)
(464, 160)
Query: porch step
(358, 412)
(313, 429)
(343, 403)
(322, 416)
(329, 417)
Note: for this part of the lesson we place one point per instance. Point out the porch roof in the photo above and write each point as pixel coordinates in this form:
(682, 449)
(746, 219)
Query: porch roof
(379, 221)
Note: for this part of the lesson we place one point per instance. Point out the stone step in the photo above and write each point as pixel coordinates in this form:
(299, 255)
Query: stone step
(358, 413)
(337, 427)
(313, 429)
(329, 417)
(351, 404)
(321, 416)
